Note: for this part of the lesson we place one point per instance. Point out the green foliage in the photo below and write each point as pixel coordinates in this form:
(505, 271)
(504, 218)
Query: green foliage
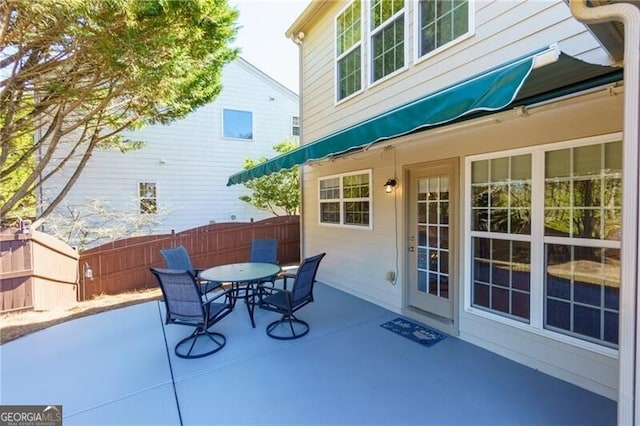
(26, 208)
(76, 73)
(277, 192)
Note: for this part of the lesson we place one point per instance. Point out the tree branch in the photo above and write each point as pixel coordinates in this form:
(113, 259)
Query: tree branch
(81, 72)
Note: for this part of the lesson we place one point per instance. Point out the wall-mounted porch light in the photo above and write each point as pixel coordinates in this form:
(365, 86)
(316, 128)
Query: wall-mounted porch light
(388, 187)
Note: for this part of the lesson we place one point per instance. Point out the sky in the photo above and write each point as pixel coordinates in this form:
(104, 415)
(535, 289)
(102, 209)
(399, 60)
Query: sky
(261, 37)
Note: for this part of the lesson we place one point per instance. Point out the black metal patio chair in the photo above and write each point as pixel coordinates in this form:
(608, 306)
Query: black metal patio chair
(264, 250)
(178, 259)
(287, 302)
(186, 306)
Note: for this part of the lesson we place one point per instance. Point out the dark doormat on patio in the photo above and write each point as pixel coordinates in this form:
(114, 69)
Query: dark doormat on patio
(426, 336)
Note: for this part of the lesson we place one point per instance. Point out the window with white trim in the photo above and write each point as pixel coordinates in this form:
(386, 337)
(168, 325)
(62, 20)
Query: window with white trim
(295, 126)
(501, 229)
(387, 22)
(346, 199)
(440, 23)
(237, 124)
(349, 51)
(148, 197)
(553, 212)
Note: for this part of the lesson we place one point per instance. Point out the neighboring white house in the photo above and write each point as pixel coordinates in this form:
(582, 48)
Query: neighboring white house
(182, 170)
(512, 223)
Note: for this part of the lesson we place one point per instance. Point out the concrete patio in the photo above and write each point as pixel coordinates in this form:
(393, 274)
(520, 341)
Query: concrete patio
(119, 367)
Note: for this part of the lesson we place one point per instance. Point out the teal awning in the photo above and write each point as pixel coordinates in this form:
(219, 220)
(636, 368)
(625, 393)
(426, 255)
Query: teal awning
(511, 84)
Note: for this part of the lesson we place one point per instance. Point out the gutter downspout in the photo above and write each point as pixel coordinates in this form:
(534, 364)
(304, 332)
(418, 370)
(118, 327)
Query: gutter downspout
(297, 39)
(628, 375)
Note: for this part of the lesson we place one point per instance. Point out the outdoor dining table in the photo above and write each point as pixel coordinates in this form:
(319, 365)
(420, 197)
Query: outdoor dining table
(242, 276)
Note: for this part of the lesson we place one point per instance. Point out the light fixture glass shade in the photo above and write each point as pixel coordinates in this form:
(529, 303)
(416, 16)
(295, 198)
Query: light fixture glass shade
(388, 187)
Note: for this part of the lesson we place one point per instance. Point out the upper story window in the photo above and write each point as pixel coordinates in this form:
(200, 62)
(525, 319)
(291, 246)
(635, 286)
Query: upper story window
(371, 37)
(349, 51)
(387, 37)
(441, 22)
(237, 124)
(346, 199)
(295, 126)
(148, 197)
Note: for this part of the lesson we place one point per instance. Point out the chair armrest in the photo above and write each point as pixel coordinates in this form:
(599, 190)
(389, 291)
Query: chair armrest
(274, 289)
(196, 273)
(290, 270)
(286, 273)
(212, 296)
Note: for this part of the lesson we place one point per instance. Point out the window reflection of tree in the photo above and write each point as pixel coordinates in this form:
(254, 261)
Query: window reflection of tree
(503, 207)
(594, 212)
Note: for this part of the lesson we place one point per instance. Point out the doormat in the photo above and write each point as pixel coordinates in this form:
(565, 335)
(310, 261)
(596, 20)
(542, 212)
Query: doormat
(418, 333)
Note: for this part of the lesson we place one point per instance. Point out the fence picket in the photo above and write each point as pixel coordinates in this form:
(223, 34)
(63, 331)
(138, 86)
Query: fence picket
(124, 264)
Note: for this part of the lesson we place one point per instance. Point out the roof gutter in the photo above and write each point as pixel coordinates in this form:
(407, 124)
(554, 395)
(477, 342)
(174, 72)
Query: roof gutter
(628, 376)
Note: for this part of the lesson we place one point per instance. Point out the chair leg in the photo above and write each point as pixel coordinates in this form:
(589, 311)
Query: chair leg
(218, 341)
(250, 307)
(297, 327)
(235, 293)
(260, 291)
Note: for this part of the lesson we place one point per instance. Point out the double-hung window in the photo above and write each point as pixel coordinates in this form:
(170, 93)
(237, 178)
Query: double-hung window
(387, 23)
(295, 126)
(501, 230)
(349, 51)
(346, 199)
(440, 23)
(148, 197)
(582, 226)
(545, 237)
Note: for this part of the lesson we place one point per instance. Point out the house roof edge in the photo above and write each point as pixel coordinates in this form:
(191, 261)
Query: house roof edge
(257, 71)
(305, 17)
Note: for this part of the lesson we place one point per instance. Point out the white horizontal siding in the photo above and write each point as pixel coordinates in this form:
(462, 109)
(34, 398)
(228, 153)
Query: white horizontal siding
(357, 261)
(365, 257)
(503, 30)
(189, 160)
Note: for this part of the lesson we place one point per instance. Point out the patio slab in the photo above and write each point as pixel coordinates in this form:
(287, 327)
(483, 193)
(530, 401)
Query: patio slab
(155, 406)
(87, 362)
(332, 310)
(115, 368)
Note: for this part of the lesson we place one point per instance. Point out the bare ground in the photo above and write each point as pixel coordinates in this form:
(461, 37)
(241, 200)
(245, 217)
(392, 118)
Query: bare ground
(17, 324)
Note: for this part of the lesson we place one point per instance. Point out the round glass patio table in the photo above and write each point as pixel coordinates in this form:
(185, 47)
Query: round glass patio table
(242, 277)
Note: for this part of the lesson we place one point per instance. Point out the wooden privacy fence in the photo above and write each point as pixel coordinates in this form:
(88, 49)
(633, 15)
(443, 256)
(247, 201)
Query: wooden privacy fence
(124, 264)
(37, 271)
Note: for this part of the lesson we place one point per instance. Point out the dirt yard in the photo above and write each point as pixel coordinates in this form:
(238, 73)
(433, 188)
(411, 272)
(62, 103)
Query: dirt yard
(18, 324)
